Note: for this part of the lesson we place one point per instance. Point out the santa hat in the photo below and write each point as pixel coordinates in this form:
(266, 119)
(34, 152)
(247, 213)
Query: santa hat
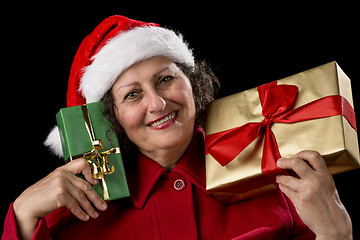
(116, 44)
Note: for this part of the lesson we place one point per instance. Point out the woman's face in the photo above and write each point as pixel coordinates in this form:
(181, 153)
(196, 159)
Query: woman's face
(154, 104)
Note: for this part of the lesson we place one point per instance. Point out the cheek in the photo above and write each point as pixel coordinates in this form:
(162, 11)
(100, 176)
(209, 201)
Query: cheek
(186, 97)
(129, 118)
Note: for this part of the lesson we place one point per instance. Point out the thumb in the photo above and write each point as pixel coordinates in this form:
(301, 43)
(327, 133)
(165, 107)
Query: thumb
(81, 166)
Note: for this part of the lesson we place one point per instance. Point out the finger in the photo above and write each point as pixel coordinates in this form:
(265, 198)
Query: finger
(314, 158)
(82, 200)
(75, 208)
(65, 199)
(290, 182)
(296, 164)
(85, 194)
(290, 193)
(81, 166)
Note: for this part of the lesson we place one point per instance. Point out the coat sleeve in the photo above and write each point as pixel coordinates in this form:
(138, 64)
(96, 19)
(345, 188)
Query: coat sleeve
(11, 231)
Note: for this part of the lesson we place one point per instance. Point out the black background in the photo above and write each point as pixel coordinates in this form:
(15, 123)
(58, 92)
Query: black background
(247, 44)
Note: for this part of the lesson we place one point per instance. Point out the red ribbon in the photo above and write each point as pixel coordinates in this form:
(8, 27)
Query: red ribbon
(277, 103)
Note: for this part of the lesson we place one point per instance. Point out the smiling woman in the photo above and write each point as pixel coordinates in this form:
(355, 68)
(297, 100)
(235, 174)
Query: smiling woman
(204, 85)
(155, 95)
(143, 108)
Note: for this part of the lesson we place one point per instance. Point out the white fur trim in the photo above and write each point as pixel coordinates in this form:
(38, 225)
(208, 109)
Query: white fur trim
(53, 141)
(128, 48)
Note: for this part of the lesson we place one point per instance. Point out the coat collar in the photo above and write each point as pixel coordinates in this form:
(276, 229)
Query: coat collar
(143, 176)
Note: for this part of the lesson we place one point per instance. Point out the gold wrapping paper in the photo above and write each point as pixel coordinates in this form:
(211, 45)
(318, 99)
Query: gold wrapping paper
(332, 137)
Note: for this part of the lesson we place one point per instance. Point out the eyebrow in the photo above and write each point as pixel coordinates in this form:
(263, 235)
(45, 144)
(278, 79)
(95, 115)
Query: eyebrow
(127, 85)
(162, 70)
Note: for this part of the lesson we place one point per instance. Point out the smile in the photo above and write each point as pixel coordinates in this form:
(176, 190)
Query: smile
(164, 121)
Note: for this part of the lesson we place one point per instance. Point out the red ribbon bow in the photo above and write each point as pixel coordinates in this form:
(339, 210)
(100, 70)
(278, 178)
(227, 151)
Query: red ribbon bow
(277, 102)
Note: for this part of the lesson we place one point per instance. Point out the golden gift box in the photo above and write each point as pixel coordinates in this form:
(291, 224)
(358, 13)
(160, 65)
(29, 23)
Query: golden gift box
(247, 132)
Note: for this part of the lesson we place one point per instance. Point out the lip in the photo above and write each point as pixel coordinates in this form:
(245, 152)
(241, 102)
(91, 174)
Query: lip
(165, 124)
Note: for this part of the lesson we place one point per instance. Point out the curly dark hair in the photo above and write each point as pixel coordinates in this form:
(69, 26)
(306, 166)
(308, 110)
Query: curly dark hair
(204, 85)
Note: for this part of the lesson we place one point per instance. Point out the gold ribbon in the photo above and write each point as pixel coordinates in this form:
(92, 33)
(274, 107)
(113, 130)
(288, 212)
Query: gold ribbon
(97, 159)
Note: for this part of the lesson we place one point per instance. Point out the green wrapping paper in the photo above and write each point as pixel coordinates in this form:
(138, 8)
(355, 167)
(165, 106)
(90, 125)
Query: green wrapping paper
(84, 134)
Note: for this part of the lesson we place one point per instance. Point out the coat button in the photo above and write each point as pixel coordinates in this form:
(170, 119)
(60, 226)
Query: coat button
(179, 184)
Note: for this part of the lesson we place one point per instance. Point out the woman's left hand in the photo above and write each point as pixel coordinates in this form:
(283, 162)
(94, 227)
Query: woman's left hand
(315, 196)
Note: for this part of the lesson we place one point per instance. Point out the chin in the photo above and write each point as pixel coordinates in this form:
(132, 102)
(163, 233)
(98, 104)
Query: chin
(170, 139)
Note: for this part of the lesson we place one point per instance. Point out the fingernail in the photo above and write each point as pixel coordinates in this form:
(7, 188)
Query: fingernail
(277, 177)
(104, 206)
(278, 162)
(96, 214)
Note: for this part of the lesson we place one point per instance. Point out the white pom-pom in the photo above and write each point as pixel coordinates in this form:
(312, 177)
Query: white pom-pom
(53, 141)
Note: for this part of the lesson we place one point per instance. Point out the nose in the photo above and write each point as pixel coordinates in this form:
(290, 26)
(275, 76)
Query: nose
(155, 102)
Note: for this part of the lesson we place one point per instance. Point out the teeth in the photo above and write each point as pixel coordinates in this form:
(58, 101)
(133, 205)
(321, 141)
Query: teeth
(167, 118)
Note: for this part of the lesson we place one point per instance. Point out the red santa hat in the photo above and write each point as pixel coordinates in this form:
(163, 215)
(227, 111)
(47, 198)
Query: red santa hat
(116, 44)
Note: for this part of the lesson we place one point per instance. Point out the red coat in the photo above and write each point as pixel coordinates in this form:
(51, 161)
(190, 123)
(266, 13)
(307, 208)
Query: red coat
(175, 205)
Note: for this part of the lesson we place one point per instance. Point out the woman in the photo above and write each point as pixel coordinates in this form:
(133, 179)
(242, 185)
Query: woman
(155, 95)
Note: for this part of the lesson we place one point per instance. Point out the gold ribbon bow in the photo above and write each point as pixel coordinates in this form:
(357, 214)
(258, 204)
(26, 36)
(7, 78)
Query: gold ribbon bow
(97, 159)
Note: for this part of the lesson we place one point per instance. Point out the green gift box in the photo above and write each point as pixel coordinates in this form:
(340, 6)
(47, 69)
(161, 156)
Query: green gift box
(84, 134)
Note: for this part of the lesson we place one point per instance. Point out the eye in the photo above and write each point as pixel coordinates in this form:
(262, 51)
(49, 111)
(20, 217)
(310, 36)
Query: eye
(166, 79)
(132, 95)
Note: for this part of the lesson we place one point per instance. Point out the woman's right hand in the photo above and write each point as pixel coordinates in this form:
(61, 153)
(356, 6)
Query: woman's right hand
(61, 188)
